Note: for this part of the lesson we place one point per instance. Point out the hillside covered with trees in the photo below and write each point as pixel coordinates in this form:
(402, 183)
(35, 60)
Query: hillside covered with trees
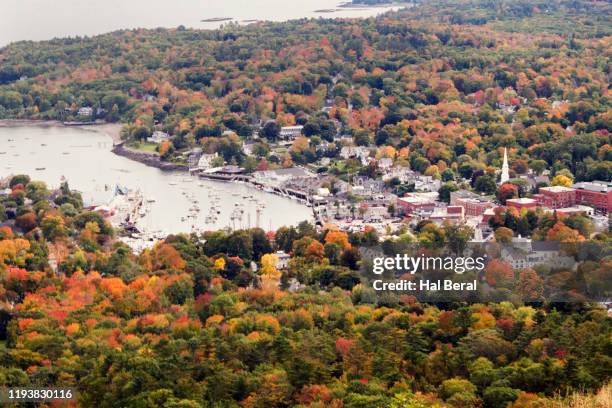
(214, 319)
(442, 85)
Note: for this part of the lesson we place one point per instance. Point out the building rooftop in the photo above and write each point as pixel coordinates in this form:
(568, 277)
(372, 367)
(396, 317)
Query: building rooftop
(596, 186)
(523, 200)
(469, 195)
(416, 200)
(291, 171)
(556, 189)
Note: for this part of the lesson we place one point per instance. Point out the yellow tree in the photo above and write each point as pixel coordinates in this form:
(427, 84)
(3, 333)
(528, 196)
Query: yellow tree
(561, 180)
(219, 264)
(269, 273)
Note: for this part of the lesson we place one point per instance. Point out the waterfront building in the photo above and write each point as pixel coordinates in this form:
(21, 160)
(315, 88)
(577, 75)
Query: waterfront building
(207, 161)
(282, 177)
(85, 111)
(158, 137)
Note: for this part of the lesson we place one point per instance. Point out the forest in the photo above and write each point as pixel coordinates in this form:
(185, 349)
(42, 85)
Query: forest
(213, 319)
(428, 86)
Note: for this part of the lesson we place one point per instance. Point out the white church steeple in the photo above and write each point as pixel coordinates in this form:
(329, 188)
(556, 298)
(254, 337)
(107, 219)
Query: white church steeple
(505, 175)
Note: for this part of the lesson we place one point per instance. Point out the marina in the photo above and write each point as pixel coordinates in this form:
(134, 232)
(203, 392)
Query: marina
(152, 203)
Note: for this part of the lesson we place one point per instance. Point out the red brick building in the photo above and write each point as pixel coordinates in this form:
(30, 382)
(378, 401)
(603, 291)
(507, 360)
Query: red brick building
(473, 204)
(450, 213)
(417, 201)
(556, 197)
(520, 203)
(597, 194)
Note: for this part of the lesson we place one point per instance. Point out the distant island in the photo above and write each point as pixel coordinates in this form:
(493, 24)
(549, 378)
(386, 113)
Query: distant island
(216, 19)
(378, 3)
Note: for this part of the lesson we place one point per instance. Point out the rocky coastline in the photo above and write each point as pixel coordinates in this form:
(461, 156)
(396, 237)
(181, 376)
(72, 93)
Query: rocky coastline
(147, 159)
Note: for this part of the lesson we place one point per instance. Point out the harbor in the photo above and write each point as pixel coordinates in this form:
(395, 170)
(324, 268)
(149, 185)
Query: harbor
(158, 202)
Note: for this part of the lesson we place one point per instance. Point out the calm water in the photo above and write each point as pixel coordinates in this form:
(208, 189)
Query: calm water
(89, 166)
(46, 19)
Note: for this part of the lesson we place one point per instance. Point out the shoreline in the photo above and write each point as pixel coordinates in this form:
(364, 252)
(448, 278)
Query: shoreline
(359, 6)
(147, 159)
(113, 130)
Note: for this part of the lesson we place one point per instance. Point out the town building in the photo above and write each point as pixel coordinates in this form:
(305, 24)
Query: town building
(524, 253)
(533, 180)
(248, 147)
(355, 152)
(282, 259)
(597, 194)
(556, 197)
(575, 210)
(403, 174)
(520, 203)
(474, 205)
(364, 186)
(385, 163)
(417, 202)
(158, 137)
(426, 183)
(451, 214)
(279, 177)
(343, 139)
(207, 161)
(85, 111)
(290, 132)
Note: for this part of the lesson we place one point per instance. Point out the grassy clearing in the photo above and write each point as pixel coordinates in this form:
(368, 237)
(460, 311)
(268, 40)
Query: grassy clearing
(603, 399)
(144, 147)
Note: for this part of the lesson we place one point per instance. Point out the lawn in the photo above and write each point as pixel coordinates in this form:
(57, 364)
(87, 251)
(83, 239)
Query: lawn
(144, 147)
